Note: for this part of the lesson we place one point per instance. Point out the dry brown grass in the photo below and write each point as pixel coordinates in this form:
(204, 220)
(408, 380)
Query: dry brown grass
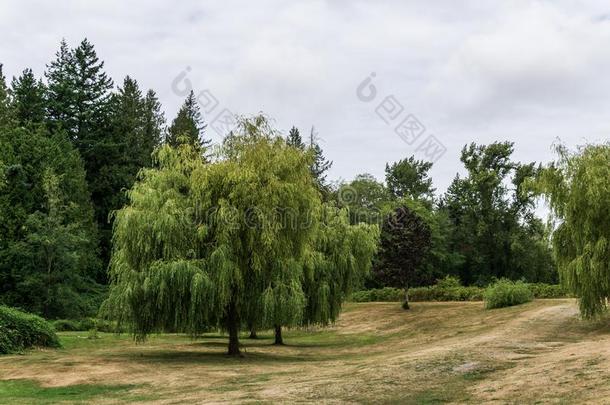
(437, 352)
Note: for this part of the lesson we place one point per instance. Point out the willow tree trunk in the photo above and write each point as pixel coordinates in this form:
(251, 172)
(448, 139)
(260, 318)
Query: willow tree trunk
(278, 335)
(253, 334)
(233, 328)
(405, 305)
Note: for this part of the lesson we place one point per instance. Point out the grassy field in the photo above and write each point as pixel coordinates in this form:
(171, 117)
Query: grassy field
(435, 353)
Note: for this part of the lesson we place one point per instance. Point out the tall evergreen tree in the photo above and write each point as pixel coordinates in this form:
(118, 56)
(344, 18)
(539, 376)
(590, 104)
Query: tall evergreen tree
(79, 103)
(154, 126)
(28, 99)
(47, 234)
(188, 126)
(320, 164)
(61, 93)
(137, 125)
(92, 94)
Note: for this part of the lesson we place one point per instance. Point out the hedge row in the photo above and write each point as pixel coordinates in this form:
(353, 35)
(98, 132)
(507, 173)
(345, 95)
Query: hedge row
(20, 330)
(449, 289)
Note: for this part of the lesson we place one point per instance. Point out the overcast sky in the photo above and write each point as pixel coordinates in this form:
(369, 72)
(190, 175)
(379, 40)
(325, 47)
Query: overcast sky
(469, 71)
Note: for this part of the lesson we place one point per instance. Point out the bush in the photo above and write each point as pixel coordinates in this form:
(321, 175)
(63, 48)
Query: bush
(450, 289)
(66, 325)
(447, 289)
(20, 330)
(435, 293)
(386, 294)
(505, 293)
(541, 290)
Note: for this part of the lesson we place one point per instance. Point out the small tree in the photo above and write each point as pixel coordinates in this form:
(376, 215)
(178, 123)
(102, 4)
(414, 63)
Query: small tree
(405, 241)
(577, 187)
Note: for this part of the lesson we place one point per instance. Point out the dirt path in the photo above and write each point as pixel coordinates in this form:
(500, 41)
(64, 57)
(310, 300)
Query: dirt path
(437, 352)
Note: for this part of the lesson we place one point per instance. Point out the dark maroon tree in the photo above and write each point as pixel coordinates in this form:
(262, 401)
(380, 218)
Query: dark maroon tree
(405, 240)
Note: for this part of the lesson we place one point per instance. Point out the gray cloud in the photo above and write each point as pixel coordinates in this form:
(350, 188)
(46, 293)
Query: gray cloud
(526, 71)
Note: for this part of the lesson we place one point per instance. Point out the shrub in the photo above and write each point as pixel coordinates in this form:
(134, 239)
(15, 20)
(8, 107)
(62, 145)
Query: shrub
(446, 289)
(386, 294)
(505, 293)
(450, 289)
(20, 330)
(436, 293)
(66, 325)
(541, 290)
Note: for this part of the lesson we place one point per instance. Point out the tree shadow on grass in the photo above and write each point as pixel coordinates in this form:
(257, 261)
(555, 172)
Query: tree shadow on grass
(209, 357)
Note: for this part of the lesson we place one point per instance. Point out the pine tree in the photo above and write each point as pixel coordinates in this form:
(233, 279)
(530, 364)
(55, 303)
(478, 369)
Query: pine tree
(79, 103)
(136, 130)
(92, 93)
(61, 93)
(188, 126)
(28, 99)
(320, 164)
(294, 138)
(154, 126)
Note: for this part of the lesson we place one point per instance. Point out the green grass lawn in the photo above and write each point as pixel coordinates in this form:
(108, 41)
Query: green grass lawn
(434, 353)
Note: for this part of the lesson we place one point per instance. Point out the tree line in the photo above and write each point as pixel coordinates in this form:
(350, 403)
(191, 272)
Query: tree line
(102, 199)
(70, 145)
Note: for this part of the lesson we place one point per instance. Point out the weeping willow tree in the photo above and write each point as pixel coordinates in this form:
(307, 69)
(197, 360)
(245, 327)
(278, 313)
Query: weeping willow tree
(577, 188)
(340, 260)
(205, 245)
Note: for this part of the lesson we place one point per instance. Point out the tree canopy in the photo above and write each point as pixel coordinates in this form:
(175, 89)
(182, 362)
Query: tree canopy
(577, 187)
(200, 243)
(405, 240)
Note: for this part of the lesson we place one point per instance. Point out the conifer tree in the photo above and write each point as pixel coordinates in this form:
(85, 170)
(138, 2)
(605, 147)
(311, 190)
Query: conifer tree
(61, 93)
(320, 164)
(47, 235)
(28, 99)
(154, 126)
(78, 94)
(294, 138)
(188, 125)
